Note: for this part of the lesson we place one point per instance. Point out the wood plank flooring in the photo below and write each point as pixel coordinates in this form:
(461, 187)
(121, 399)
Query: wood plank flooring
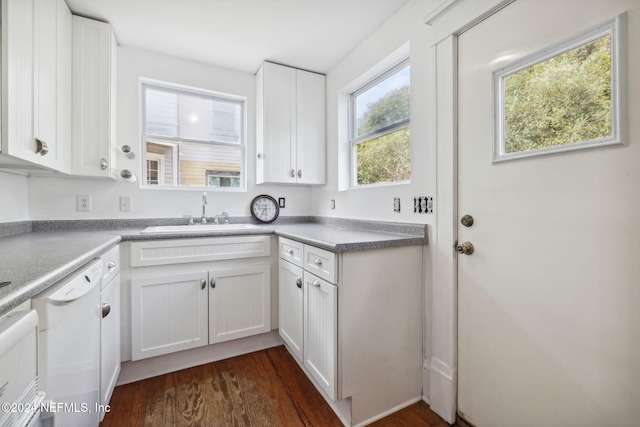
(265, 388)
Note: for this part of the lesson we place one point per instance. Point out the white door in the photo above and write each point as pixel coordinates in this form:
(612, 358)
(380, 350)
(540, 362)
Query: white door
(549, 302)
(239, 302)
(321, 331)
(290, 306)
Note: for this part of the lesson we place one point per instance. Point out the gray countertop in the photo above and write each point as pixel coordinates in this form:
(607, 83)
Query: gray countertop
(35, 260)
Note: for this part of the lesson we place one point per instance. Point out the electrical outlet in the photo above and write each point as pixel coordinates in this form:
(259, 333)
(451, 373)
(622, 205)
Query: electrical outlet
(83, 203)
(423, 205)
(333, 203)
(281, 202)
(396, 204)
(125, 204)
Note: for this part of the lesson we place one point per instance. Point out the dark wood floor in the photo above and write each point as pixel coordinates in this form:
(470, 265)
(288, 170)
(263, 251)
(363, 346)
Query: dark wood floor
(266, 388)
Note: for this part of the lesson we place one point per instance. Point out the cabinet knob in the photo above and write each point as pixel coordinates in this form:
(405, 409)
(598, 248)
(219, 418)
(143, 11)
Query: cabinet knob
(290, 251)
(106, 309)
(292, 173)
(260, 156)
(299, 282)
(316, 283)
(41, 147)
(213, 282)
(111, 265)
(103, 164)
(203, 283)
(299, 173)
(317, 261)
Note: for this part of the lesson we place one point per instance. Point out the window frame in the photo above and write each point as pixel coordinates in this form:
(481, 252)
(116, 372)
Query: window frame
(354, 140)
(209, 94)
(616, 29)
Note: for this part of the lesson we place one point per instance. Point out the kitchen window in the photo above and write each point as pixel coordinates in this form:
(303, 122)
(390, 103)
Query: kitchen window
(192, 138)
(380, 131)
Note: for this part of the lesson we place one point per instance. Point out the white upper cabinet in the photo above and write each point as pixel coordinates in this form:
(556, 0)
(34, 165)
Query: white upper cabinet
(36, 78)
(94, 99)
(290, 126)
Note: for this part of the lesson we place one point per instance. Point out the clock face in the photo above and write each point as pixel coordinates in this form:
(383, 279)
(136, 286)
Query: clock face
(265, 208)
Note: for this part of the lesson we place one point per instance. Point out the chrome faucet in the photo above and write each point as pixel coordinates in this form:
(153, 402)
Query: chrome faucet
(224, 216)
(203, 220)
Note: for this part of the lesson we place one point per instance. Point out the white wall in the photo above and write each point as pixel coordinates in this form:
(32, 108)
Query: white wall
(377, 203)
(14, 192)
(55, 198)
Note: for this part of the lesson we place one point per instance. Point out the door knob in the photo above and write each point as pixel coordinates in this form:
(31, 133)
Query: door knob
(467, 220)
(465, 248)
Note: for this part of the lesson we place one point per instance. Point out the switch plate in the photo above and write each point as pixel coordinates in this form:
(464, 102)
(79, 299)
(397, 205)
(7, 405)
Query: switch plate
(333, 203)
(83, 203)
(281, 202)
(125, 204)
(423, 205)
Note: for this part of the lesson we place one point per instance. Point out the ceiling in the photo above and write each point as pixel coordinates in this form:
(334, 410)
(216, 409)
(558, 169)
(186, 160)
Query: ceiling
(240, 34)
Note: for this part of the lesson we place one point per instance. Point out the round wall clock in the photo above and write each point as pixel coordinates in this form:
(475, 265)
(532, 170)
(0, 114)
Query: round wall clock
(265, 208)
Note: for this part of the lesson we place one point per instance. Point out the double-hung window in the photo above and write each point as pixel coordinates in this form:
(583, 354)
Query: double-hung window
(380, 131)
(192, 138)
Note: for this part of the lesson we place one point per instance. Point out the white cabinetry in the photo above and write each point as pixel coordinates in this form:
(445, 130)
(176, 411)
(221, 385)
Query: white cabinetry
(109, 327)
(189, 293)
(94, 99)
(290, 126)
(361, 315)
(36, 82)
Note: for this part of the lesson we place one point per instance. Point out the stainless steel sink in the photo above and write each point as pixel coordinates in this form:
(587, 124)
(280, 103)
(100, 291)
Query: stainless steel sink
(199, 228)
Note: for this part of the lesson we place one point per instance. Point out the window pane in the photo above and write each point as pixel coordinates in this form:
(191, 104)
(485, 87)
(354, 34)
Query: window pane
(384, 104)
(384, 159)
(162, 113)
(196, 161)
(565, 99)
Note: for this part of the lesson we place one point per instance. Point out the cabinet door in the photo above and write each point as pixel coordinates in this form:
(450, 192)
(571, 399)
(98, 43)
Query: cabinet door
(239, 302)
(290, 306)
(320, 331)
(17, 75)
(168, 313)
(109, 340)
(92, 103)
(276, 124)
(310, 129)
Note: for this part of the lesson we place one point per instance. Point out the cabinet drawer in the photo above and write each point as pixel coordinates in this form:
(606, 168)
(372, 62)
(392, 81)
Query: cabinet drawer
(291, 251)
(111, 267)
(163, 252)
(321, 263)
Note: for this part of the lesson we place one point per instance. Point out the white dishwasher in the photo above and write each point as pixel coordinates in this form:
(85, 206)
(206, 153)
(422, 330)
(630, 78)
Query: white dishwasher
(69, 348)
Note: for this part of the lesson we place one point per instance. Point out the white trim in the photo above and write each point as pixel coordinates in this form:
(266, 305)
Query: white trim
(448, 21)
(614, 28)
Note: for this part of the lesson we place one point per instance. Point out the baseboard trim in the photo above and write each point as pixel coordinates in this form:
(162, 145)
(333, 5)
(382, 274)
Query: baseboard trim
(160, 365)
(442, 396)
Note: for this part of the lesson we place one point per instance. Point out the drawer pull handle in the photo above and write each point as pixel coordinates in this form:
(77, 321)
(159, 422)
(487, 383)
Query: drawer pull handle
(203, 283)
(106, 309)
(317, 261)
(316, 283)
(299, 282)
(290, 251)
(213, 282)
(111, 265)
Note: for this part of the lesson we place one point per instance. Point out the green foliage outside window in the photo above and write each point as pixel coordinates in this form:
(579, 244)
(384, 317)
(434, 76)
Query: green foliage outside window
(386, 158)
(563, 100)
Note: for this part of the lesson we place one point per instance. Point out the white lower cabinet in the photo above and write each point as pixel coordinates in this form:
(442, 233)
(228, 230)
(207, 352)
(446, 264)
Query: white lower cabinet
(218, 293)
(355, 326)
(291, 301)
(169, 313)
(239, 302)
(320, 331)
